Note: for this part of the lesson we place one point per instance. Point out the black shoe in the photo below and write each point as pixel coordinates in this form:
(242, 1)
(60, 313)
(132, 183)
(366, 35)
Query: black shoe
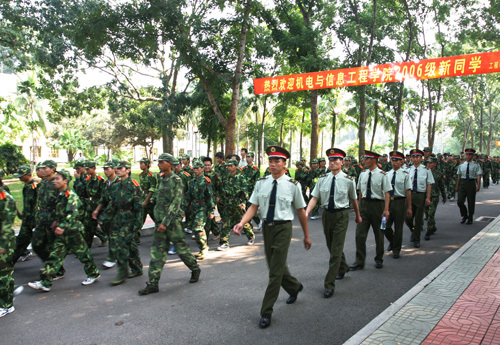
(395, 255)
(355, 266)
(378, 265)
(265, 321)
(464, 219)
(427, 237)
(469, 222)
(389, 247)
(416, 244)
(293, 297)
(195, 275)
(148, 289)
(327, 293)
(340, 276)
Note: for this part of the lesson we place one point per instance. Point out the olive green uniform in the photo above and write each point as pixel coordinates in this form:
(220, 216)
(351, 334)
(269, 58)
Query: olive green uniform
(418, 196)
(467, 188)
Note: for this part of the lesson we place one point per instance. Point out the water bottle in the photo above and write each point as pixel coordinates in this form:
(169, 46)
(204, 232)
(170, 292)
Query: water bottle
(383, 224)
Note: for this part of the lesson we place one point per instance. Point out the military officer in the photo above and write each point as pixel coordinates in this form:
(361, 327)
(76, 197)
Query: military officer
(421, 181)
(468, 183)
(124, 212)
(7, 246)
(374, 188)
(400, 204)
(168, 226)
(23, 239)
(334, 191)
(148, 185)
(437, 189)
(275, 197)
(69, 236)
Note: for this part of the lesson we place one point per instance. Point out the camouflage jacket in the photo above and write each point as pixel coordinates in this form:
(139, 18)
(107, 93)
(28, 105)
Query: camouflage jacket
(168, 199)
(216, 182)
(486, 166)
(30, 192)
(303, 177)
(200, 195)
(46, 202)
(107, 191)
(438, 186)
(125, 203)
(268, 172)
(234, 190)
(251, 174)
(93, 190)
(69, 210)
(148, 183)
(79, 185)
(188, 169)
(8, 213)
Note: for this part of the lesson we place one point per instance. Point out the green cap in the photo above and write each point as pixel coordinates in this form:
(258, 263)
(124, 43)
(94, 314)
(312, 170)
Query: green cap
(109, 164)
(321, 159)
(198, 164)
(433, 160)
(176, 161)
(250, 154)
(314, 161)
(38, 166)
(166, 157)
(90, 164)
(185, 156)
(78, 164)
(124, 164)
(22, 170)
(145, 160)
(297, 163)
(232, 161)
(65, 174)
(48, 163)
(428, 149)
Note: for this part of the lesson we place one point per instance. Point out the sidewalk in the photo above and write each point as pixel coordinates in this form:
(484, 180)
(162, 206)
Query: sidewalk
(458, 303)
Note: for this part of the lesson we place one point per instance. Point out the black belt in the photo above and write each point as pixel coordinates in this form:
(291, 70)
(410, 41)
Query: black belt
(373, 200)
(397, 197)
(335, 210)
(417, 192)
(277, 222)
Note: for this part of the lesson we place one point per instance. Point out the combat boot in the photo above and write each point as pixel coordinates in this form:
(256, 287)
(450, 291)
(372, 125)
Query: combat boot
(118, 280)
(150, 288)
(195, 275)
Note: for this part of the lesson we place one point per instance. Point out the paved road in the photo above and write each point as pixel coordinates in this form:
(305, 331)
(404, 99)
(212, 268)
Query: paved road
(224, 306)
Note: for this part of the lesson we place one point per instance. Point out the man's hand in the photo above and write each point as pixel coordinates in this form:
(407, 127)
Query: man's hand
(243, 207)
(237, 229)
(95, 214)
(307, 243)
(427, 202)
(58, 231)
(409, 213)
(162, 228)
(385, 214)
(211, 216)
(358, 220)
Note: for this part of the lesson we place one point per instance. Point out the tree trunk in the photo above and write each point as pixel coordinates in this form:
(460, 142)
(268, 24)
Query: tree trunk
(375, 123)
(281, 133)
(301, 134)
(362, 121)
(420, 115)
(334, 124)
(481, 128)
(314, 125)
(168, 143)
(429, 125)
(398, 116)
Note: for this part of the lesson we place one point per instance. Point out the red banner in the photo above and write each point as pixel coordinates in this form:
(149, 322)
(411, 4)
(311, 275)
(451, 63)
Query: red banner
(452, 66)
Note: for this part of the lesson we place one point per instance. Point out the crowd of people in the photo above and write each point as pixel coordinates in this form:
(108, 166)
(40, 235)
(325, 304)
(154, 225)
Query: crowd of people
(384, 191)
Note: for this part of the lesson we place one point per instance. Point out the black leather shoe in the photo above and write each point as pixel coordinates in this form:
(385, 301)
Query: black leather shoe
(265, 321)
(378, 265)
(395, 255)
(469, 222)
(327, 293)
(389, 247)
(356, 266)
(340, 276)
(416, 244)
(464, 219)
(293, 297)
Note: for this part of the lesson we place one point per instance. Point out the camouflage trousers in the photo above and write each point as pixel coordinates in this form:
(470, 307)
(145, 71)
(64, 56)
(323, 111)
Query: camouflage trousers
(431, 218)
(256, 218)
(160, 246)
(486, 179)
(23, 240)
(90, 224)
(232, 215)
(43, 242)
(124, 248)
(211, 227)
(452, 185)
(304, 194)
(6, 278)
(106, 228)
(147, 210)
(200, 219)
(69, 241)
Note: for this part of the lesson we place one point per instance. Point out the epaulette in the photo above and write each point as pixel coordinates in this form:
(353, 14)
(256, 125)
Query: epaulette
(99, 177)
(322, 175)
(34, 185)
(136, 183)
(67, 193)
(351, 177)
(383, 172)
(161, 174)
(293, 181)
(187, 174)
(406, 171)
(88, 178)
(206, 178)
(2, 195)
(263, 178)
(149, 173)
(241, 169)
(255, 168)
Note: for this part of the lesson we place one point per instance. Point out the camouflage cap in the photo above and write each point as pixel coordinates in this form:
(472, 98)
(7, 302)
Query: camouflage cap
(297, 163)
(38, 166)
(124, 164)
(90, 164)
(354, 161)
(78, 164)
(303, 159)
(22, 170)
(185, 156)
(115, 161)
(428, 149)
(167, 157)
(433, 160)
(145, 160)
(198, 164)
(109, 164)
(176, 161)
(250, 154)
(65, 174)
(232, 162)
(314, 161)
(321, 159)
(48, 163)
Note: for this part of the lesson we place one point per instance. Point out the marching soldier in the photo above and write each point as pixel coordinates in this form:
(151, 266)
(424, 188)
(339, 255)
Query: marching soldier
(215, 179)
(437, 189)
(487, 167)
(468, 184)
(7, 246)
(374, 188)
(421, 181)
(400, 204)
(335, 191)
(277, 229)
(314, 173)
(252, 175)
(148, 185)
(168, 226)
(302, 176)
(94, 185)
(68, 232)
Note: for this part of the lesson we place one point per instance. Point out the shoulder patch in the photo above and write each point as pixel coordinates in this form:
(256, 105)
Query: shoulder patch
(99, 177)
(206, 178)
(383, 172)
(186, 173)
(351, 177)
(263, 178)
(241, 169)
(293, 181)
(2, 195)
(149, 173)
(161, 174)
(136, 183)
(33, 185)
(88, 178)
(322, 175)
(255, 168)
(67, 193)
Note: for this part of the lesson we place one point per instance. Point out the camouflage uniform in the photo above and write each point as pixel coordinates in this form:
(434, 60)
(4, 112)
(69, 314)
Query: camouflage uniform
(487, 168)
(168, 201)
(211, 225)
(93, 191)
(252, 175)
(199, 199)
(28, 220)
(313, 176)
(7, 243)
(106, 226)
(451, 178)
(233, 194)
(148, 184)
(437, 189)
(124, 212)
(302, 176)
(68, 211)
